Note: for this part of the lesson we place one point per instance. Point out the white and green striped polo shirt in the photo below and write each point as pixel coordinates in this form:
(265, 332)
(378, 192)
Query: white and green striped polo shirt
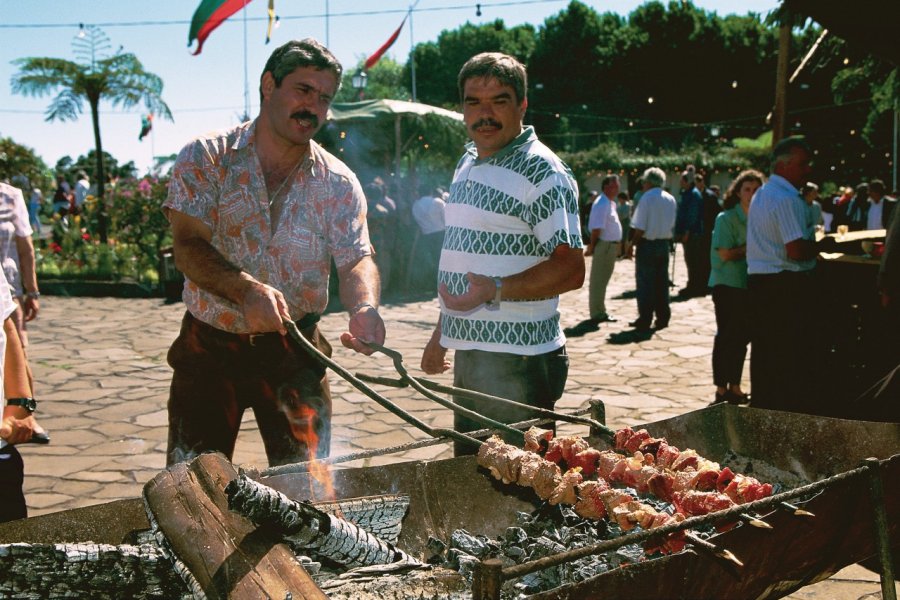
(506, 214)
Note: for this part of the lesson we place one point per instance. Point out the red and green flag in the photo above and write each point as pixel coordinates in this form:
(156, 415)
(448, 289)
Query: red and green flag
(146, 126)
(209, 15)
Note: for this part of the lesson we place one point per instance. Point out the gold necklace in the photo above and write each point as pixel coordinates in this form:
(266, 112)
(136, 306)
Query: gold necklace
(290, 176)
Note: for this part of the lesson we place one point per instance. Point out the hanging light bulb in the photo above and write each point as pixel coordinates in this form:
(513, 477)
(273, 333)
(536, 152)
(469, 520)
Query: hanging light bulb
(477, 10)
(81, 33)
(277, 21)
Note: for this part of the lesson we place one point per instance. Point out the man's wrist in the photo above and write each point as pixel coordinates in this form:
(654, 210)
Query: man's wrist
(494, 302)
(32, 295)
(361, 306)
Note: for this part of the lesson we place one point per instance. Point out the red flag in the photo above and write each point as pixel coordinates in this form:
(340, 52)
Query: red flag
(384, 48)
(209, 15)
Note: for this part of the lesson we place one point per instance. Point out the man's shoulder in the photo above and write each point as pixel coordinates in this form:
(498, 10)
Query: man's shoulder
(215, 143)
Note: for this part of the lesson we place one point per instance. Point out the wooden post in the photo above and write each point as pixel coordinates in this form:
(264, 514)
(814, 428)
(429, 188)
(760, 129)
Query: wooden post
(228, 556)
(779, 113)
(487, 579)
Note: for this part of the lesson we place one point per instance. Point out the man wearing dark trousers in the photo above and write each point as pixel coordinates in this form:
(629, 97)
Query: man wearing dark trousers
(781, 256)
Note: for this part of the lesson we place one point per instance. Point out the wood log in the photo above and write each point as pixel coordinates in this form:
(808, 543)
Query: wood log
(227, 555)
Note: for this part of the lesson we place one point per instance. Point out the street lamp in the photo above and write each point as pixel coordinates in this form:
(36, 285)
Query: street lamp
(359, 80)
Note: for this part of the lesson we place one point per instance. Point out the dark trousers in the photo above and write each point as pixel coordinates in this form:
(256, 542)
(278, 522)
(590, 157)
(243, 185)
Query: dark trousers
(694, 250)
(217, 375)
(784, 341)
(12, 477)
(651, 265)
(533, 380)
(732, 306)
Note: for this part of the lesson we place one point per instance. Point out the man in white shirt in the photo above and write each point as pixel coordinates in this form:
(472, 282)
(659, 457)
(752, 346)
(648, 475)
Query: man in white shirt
(428, 212)
(781, 256)
(880, 206)
(652, 224)
(81, 190)
(606, 235)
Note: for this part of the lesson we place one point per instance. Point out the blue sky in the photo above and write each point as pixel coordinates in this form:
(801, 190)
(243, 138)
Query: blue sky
(206, 92)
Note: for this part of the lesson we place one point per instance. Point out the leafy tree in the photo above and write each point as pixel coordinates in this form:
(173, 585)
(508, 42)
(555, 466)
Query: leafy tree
(88, 164)
(17, 160)
(119, 79)
(438, 63)
(383, 80)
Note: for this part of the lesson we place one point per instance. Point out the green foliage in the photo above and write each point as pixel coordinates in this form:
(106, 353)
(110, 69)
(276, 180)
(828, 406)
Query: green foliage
(384, 80)
(138, 231)
(119, 79)
(17, 160)
(438, 63)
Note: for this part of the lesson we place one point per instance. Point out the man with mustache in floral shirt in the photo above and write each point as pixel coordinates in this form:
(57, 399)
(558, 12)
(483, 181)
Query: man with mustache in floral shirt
(257, 213)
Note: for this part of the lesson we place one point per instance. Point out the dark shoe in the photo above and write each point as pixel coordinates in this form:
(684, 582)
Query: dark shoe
(661, 325)
(640, 325)
(604, 318)
(720, 398)
(736, 399)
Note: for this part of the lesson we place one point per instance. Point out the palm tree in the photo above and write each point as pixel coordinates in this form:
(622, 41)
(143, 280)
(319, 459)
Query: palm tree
(119, 79)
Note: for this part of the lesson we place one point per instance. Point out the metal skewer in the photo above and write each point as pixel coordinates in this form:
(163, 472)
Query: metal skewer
(723, 553)
(796, 510)
(754, 521)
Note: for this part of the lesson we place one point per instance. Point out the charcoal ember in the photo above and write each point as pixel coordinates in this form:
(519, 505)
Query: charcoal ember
(544, 546)
(478, 546)
(515, 535)
(435, 546)
(309, 565)
(517, 553)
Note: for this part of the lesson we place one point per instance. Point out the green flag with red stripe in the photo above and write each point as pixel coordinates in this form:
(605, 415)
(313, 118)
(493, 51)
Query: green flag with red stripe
(209, 15)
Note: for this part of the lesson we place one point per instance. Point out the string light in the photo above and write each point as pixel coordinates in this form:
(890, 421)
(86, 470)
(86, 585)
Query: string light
(734, 84)
(650, 100)
(81, 30)
(477, 10)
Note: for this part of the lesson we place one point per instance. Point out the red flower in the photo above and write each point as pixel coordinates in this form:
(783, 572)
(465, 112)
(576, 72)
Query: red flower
(55, 248)
(86, 236)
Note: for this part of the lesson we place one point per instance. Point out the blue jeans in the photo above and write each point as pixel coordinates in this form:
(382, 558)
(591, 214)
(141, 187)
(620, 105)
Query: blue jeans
(533, 380)
(651, 265)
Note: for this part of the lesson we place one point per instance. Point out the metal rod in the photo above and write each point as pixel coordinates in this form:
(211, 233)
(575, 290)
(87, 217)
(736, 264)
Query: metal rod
(473, 395)
(384, 402)
(397, 359)
(882, 540)
(302, 467)
(691, 522)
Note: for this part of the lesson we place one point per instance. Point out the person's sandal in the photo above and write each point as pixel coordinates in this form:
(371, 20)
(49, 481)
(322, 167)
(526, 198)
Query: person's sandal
(736, 399)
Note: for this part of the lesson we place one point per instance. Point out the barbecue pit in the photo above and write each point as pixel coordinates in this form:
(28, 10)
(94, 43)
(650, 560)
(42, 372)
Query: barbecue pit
(453, 494)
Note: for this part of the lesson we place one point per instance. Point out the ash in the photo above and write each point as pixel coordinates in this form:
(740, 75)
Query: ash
(548, 530)
(780, 479)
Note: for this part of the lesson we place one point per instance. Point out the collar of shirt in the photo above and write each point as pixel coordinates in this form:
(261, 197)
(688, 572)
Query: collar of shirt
(785, 185)
(246, 139)
(527, 135)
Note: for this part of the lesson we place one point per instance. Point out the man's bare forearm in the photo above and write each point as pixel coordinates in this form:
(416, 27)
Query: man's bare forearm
(205, 266)
(360, 283)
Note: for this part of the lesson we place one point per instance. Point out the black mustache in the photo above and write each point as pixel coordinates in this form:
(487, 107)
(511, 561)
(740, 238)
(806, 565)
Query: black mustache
(487, 122)
(307, 116)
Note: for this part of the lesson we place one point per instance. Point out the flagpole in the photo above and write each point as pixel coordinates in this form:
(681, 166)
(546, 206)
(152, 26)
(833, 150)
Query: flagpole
(412, 49)
(327, 26)
(246, 80)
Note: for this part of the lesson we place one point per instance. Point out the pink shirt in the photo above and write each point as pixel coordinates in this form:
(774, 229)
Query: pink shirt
(218, 179)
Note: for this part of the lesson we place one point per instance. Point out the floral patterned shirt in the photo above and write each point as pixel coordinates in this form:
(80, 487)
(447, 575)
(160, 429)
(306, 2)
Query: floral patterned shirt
(218, 180)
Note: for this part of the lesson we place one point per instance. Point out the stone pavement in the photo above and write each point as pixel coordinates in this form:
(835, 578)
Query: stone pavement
(102, 383)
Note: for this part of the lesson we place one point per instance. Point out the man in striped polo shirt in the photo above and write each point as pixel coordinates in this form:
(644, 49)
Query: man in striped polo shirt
(781, 256)
(512, 244)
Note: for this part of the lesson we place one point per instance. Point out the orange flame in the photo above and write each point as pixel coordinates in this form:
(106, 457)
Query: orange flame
(302, 421)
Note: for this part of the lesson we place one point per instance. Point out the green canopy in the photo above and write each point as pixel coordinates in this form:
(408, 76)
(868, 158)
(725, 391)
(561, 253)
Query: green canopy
(374, 109)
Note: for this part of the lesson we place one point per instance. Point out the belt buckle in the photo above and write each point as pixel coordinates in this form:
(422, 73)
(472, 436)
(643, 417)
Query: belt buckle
(251, 338)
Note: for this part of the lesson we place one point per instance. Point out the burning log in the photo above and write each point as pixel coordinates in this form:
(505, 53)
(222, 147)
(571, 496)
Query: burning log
(219, 553)
(306, 528)
(379, 515)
